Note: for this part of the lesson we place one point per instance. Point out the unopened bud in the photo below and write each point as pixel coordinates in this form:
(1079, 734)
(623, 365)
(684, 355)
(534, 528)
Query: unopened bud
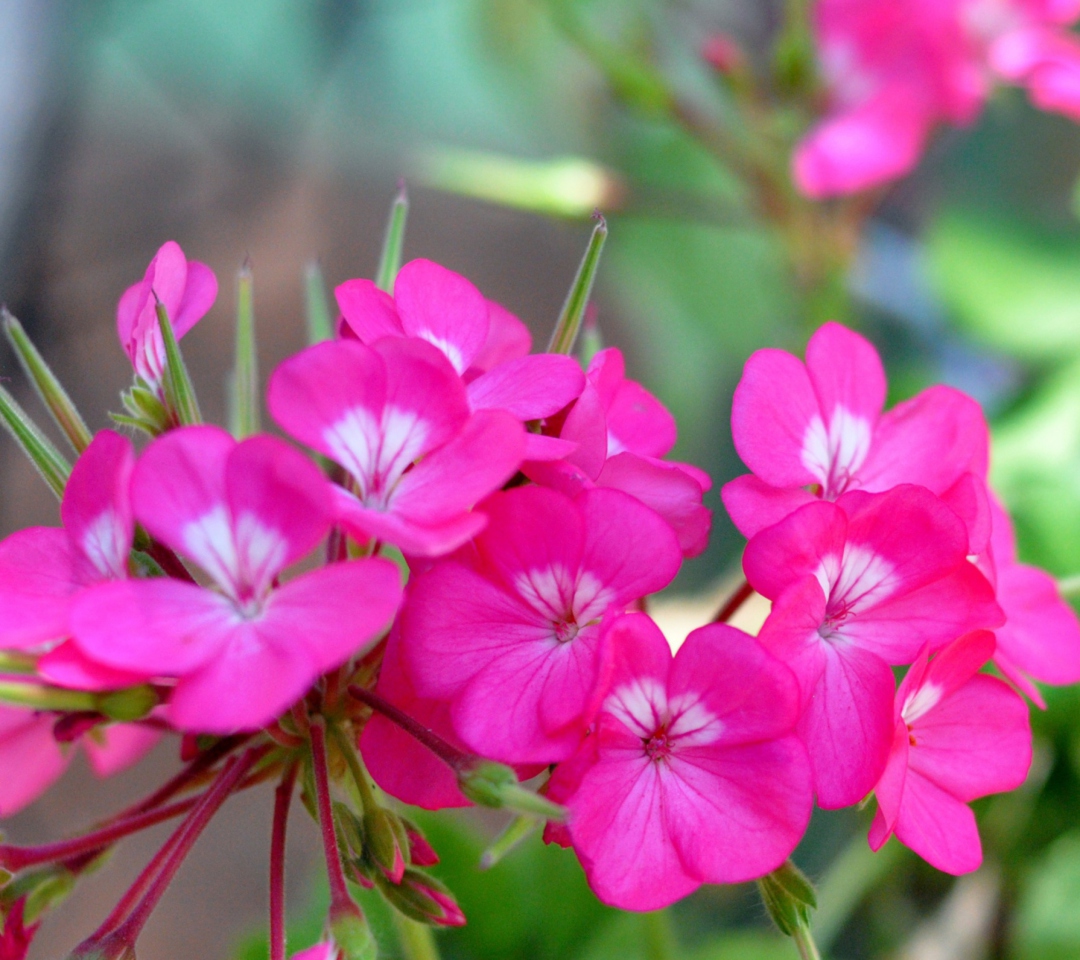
(421, 853)
(382, 844)
(131, 703)
(789, 897)
(490, 784)
(351, 933)
(423, 898)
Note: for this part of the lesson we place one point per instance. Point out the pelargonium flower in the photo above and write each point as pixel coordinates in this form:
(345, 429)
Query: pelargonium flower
(895, 69)
(509, 630)
(621, 432)
(28, 745)
(959, 735)
(692, 773)
(858, 585)
(817, 431)
(186, 288)
(396, 417)
(244, 649)
(485, 343)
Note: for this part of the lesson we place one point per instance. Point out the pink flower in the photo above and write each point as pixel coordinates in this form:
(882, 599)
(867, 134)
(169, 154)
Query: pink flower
(858, 585)
(43, 569)
(377, 411)
(321, 951)
(692, 774)
(246, 650)
(509, 630)
(484, 343)
(28, 745)
(1040, 638)
(959, 735)
(621, 432)
(820, 426)
(895, 69)
(187, 289)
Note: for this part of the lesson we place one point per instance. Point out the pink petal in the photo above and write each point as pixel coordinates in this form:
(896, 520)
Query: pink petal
(370, 313)
(200, 292)
(40, 573)
(541, 448)
(668, 490)
(771, 414)
(938, 827)
(791, 633)
(67, 666)
(969, 499)
(508, 339)
(414, 539)
(754, 505)
(889, 790)
(530, 388)
(795, 548)
(638, 422)
(845, 371)
(321, 951)
(123, 744)
(586, 425)
(28, 746)
(97, 508)
(1041, 635)
(442, 307)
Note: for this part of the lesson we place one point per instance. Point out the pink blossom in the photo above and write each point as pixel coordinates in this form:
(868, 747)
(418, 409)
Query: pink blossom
(321, 951)
(692, 773)
(377, 411)
(895, 69)
(246, 650)
(858, 585)
(621, 432)
(43, 569)
(509, 630)
(186, 288)
(959, 735)
(817, 430)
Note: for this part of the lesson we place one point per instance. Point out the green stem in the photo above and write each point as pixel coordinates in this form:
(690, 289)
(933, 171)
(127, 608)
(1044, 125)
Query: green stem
(417, 939)
(573, 310)
(40, 697)
(245, 380)
(393, 242)
(320, 325)
(367, 798)
(11, 661)
(659, 937)
(804, 940)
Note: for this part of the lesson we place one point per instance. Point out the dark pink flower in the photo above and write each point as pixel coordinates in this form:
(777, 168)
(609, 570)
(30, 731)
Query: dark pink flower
(509, 631)
(246, 649)
(858, 585)
(959, 735)
(692, 773)
(817, 431)
(378, 411)
(187, 289)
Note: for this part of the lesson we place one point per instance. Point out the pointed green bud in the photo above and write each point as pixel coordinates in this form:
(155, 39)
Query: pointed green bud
(244, 395)
(350, 830)
(789, 897)
(351, 933)
(48, 461)
(382, 843)
(393, 242)
(146, 410)
(48, 387)
(320, 325)
(516, 830)
(419, 896)
(490, 784)
(129, 704)
(573, 310)
(179, 392)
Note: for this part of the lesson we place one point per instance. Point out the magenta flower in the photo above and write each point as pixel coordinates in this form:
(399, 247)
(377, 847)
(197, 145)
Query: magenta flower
(858, 585)
(692, 773)
(377, 411)
(321, 951)
(895, 69)
(187, 289)
(509, 631)
(621, 432)
(959, 735)
(817, 431)
(244, 649)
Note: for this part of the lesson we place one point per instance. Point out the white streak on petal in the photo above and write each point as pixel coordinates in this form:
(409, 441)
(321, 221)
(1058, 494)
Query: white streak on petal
(921, 702)
(641, 705)
(209, 541)
(104, 542)
(693, 724)
(450, 350)
(834, 455)
(261, 552)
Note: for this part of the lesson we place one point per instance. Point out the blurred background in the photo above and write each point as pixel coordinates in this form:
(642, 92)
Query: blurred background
(277, 130)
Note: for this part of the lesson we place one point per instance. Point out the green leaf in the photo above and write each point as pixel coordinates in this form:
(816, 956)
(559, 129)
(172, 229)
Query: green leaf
(316, 309)
(393, 242)
(245, 378)
(45, 382)
(1047, 923)
(48, 461)
(179, 392)
(573, 310)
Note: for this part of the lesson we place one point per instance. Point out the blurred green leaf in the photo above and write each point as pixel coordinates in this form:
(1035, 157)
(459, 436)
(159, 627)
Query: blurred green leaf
(1047, 924)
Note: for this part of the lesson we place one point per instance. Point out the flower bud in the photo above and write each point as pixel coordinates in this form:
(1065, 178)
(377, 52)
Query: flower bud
(382, 843)
(421, 853)
(351, 933)
(131, 703)
(491, 784)
(422, 898)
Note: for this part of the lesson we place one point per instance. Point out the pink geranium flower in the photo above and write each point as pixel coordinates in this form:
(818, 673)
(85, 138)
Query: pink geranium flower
(817, 431)
(895, 69)
(959, 735)
(692, 773)
(187, 289)
(859, 585)
(620, 433)
(509, 631)
(246, 648)
(378, 411)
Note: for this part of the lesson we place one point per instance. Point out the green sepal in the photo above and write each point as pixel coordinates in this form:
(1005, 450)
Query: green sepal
(316, 308)
(573, 309)
(352, 933)
(180, 398)
(47, 460)
(244, 385)
(393, 242)
(789, 897)
(491, 784)
(47, 385)
(129, 704)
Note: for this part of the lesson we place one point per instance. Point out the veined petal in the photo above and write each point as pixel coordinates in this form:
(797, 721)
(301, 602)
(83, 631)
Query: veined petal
(370, 312)
(530, 388)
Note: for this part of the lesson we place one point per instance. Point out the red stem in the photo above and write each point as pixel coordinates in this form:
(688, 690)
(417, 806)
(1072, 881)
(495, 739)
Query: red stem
(282, 800)
(736, 600)
(447, 752)
(339, 890)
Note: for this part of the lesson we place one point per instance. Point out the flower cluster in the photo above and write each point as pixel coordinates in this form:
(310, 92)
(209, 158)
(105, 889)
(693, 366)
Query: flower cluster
(896, 69)
(529, 504)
